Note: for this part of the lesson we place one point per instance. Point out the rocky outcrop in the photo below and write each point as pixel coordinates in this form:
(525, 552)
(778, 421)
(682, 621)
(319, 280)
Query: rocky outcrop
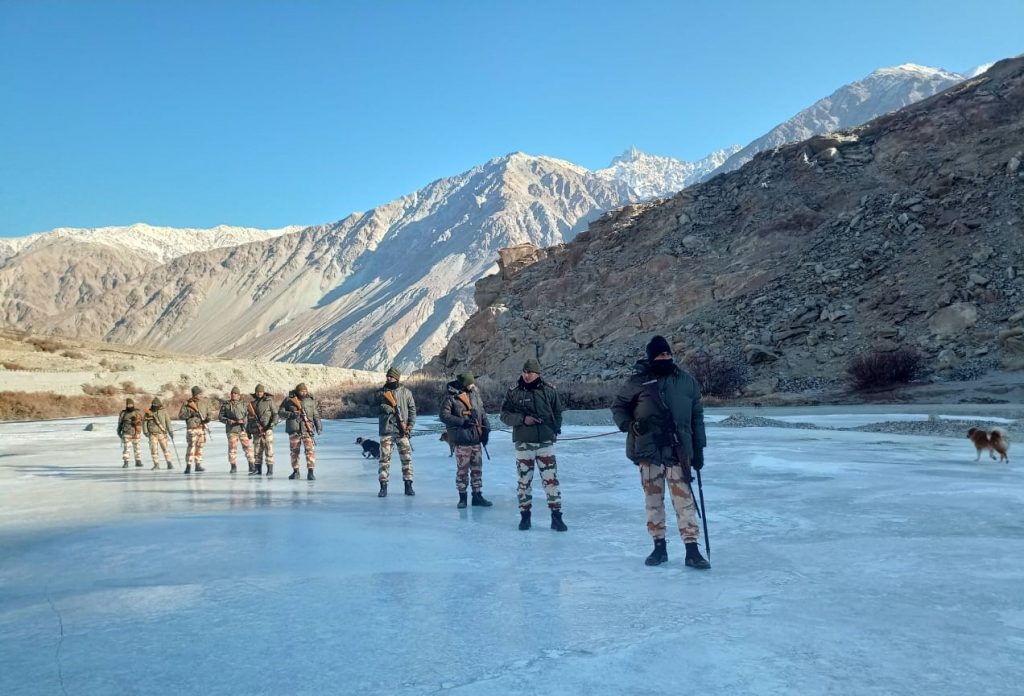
(907, 231)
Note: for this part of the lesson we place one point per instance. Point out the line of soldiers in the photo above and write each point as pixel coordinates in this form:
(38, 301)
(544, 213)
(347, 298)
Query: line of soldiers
(659, 408)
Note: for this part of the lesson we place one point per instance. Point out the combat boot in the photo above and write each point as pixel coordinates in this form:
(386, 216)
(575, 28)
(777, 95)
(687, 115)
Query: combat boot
(138, 463)
(270, 471)
(480, 501)
(524, 520)
(234, 469)
(256, 470)
(556, 521)
(408, 488)
(169, 466)
(155, 467)
(383, 490)
(252, 468)
(462, 500)
(188, 468)
(309, 475)
(125, 465)
(295, 475)
(659, 555)
(199, 468)
(693, 557)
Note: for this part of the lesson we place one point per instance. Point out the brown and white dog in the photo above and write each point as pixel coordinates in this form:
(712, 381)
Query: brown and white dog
(995, 440)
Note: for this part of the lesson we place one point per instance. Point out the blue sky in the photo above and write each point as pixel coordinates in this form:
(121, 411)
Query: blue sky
(271, 113)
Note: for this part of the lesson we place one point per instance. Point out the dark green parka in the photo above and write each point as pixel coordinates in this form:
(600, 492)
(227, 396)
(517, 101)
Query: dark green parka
(538, 399)
(129, 424)
(195, 413)
(266, 414)
(635, 402)
(157, 422)
(454, 412)
(290, 413)
(406, 407)
(233, 415)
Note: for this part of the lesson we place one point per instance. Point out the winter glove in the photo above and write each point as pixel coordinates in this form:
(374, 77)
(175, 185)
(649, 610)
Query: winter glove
(698, 458)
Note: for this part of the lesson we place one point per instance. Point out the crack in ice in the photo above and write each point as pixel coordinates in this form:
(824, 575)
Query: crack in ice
(60, 645)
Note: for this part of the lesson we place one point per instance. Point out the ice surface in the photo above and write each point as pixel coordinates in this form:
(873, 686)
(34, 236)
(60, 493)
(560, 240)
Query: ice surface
(844, 563)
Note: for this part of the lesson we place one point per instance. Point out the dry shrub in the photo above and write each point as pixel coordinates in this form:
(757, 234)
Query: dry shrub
(115, 366)
(74, 355)
(358, 400)
(878, 370)
(47, 405)
(46, 345)
(14, 366)
(168, 387)
(101, 390)
(588, 395)
(128, 387)
(718, 375)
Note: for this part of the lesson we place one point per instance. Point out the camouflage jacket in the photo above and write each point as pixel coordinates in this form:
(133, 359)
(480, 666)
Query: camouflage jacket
(156, 422)
(291, 413)
(405, 406)
(539, 400)
(454, 411)
(233, 415)
(195, 413)
(637, 402)
(129, 423)
(266, 415)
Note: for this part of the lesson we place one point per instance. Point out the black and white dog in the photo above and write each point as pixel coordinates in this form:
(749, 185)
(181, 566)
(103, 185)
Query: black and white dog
(371, 448)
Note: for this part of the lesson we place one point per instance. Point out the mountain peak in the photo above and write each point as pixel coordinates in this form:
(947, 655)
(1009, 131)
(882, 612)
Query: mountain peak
(914, 70)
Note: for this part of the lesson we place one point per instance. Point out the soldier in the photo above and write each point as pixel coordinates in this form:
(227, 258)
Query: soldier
(156, 425)
(397, 419)
(462, 411)
(534, 411)
(659, 408)
(233, 414)
(129, 429)
(262, 419)
(301, 418)
(196, 414)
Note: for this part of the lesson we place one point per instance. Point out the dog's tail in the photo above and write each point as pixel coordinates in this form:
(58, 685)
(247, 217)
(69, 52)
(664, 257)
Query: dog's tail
(999, 435)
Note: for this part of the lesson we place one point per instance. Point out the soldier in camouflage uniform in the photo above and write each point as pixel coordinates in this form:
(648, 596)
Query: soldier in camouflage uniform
(156, 425)
(660, 409)
(129, 429)
(395, 424)
(302, 419)
(262, 417)
(534, 411)
(462, 411)
(196, 414)
(233, 414)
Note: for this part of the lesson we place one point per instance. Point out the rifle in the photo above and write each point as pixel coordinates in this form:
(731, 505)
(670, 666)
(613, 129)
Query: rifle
(465, 401)
(256, 418)
(669, 427)
(192, 404)
(297, 402)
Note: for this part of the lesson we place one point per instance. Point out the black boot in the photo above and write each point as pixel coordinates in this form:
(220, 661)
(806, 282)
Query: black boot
(659, 555)
(556, 521)
(693, 557)
(309, 475)
(169, 466)
(256, 470)
(270, 471)
(295, 475)
(524, 520)
(480, 501)
(188, 468)
(383, 490)
(462, 500)
(155, 467)
(408, 488)
(234, 469)
(125, 465)
(199, 468)
(138, 463)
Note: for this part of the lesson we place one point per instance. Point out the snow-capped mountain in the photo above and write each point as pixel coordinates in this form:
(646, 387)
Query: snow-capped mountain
(161, 244)
(883, 91)
(389, 285)
(652, 176)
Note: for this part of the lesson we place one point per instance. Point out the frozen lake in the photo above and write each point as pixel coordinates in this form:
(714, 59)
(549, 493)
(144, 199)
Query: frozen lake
(843, 563)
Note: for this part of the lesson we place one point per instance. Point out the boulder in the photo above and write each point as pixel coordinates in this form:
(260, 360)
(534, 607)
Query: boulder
(91, 427)
(761, 387)
(954, 319)
(757, 354)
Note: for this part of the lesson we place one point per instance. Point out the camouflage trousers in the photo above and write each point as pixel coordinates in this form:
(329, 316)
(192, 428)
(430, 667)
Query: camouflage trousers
(233, 440)
(541, 455)
(469, 465)
(195, 439)
(159, 442)
(404, 453)
(129, 444)
(295, 444)
(652, 477)
(264, 447)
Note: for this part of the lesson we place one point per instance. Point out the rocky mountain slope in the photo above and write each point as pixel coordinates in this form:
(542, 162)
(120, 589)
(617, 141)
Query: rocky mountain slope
(883, 91)
(390, 285)
(652, 176)
(907, 231)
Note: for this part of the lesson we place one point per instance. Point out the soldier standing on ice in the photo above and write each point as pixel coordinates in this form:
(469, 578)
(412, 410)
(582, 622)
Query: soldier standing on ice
(462, 411)
(129, 429)
(534, 411)
(156, 426)
(196, 414)
(302, 420)
(395, 424)
(233, 414)
(262, 417)
(659, 408)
